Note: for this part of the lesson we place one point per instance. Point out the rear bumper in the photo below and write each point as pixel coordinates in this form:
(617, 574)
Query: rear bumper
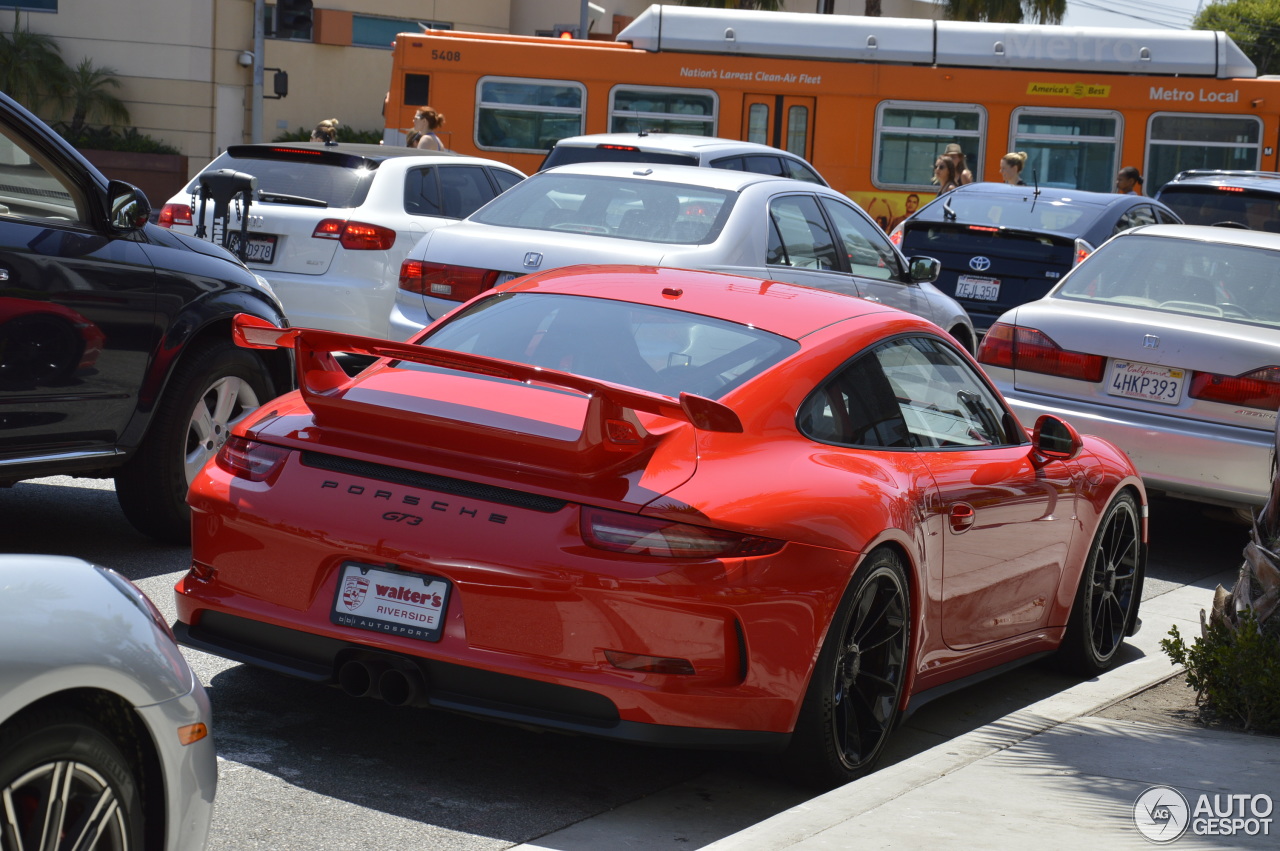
(1190, 459)
(452, 687)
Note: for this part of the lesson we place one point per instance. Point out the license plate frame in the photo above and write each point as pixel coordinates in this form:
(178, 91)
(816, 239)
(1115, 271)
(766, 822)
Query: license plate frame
(262, 247)
(978, 288)
(1146, 382)
(389, 601)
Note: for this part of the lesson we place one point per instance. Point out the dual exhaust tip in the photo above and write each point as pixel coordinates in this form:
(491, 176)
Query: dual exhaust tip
(387, 678)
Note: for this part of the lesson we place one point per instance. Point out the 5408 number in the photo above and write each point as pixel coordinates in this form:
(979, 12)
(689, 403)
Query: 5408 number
(447, 55)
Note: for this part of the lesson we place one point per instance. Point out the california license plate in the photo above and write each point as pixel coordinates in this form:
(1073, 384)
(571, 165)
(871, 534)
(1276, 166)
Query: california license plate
(980, 289)
(391, 601)
(261, 249)
(1152, 383)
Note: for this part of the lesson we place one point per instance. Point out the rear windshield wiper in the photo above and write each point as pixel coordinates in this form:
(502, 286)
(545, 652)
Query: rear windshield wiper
(300, 200)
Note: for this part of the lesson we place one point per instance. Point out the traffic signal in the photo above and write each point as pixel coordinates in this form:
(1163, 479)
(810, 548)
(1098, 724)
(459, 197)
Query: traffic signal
(293, 18)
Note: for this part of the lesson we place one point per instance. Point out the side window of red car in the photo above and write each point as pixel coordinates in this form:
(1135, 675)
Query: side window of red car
(856, 407)
(912, 392)
(942, 399)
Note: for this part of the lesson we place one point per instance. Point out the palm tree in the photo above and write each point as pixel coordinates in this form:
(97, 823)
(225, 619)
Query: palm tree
(31, 66)
(1007, 11)
(86, 95)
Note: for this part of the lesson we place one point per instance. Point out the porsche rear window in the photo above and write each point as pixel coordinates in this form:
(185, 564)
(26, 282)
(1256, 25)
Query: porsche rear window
(1234, 283)
(650, 348)
(621, 207)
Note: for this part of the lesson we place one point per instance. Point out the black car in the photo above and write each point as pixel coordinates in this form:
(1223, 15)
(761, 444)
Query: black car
(1001, 246)
(116, 357)
(1243, 199)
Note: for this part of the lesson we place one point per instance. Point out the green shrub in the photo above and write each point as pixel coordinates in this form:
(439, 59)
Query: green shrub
(345, 134)
(110, 139)
(1235, 672)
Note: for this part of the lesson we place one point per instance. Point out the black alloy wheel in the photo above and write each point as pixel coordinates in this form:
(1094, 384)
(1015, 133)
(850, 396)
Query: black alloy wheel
(1107, 598)
(851, 706)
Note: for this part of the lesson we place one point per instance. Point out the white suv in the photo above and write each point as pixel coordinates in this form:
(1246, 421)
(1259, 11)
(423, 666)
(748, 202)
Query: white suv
(329, 225)
(681, 149)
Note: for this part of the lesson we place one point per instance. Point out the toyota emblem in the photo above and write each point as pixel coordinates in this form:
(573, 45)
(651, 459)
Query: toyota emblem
(979, 264)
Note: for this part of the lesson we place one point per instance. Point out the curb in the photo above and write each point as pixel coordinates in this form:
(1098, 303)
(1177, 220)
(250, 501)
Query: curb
(1148, 666)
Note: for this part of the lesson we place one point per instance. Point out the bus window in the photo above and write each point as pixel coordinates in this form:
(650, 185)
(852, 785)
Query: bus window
(758, 123)
(911, 136)
(1176, 142)
(1069, 148)
(527, 115)
(636, 108)
(797, 130)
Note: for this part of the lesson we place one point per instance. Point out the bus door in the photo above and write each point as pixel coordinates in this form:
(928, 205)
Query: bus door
(783, 121)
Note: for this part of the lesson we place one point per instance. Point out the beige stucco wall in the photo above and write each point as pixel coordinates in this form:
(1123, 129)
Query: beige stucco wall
(172, 56)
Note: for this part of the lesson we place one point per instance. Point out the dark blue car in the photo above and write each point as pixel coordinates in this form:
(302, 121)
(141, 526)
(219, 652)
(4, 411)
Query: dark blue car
(1001, 246)
(116, 357)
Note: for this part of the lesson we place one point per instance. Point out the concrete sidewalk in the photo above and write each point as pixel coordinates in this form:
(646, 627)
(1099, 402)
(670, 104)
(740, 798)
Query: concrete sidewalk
(1051, 776)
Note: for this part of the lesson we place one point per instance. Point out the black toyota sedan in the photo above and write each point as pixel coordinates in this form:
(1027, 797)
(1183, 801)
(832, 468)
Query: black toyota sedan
(1001, 246)
(116, 357)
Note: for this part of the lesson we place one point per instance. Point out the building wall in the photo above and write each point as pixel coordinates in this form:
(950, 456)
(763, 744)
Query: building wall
(177, 59)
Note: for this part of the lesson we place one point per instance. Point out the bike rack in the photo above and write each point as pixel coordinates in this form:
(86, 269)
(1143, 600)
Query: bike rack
(223, 186)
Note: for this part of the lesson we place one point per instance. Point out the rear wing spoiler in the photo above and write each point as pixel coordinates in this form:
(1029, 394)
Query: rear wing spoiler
(319, 373)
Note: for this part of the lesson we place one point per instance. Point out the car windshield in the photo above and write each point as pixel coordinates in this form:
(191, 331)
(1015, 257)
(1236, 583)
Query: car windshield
(1021, 211)
(611, 206)
(650, 348)
(1236, 283)
(304, 178)
(1212, 205)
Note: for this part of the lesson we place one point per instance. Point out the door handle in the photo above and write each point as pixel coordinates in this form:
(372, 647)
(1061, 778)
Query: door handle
(961, 517)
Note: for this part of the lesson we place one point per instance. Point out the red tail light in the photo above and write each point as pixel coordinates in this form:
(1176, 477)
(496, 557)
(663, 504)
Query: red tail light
(649, 536)
(174, 214)
(356, 236)
(249, 459)
(1257, 389)
(1082, 250)
(439, 280)
(895, 236)
(983, 229)
(1033, 351)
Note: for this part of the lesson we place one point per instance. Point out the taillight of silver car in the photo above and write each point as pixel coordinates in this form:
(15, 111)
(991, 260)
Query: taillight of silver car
(439, 280)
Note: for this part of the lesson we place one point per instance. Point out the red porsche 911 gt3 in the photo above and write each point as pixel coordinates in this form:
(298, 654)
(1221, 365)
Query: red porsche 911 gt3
(661, 506)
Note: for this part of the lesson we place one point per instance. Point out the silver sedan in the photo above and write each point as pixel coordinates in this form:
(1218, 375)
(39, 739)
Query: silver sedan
(1165, 341)
(763, 226)
(104, 729)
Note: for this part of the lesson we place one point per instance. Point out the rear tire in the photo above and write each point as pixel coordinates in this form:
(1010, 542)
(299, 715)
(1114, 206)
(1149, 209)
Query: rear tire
(1107, 597)
(61, 780)
(215, 386)
(852, 702)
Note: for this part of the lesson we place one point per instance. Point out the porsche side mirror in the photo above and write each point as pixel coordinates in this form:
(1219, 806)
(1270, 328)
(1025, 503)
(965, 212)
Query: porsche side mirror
(1056, 439)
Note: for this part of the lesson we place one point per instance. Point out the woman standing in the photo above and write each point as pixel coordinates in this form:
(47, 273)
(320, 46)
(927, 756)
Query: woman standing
(1011, 168)
(944, 174)
(426, 121)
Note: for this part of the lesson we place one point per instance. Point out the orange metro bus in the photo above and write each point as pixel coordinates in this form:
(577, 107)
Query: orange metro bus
(870, 102)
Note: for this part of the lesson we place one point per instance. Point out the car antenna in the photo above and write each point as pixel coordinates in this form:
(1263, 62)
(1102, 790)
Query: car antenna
(948, 213)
